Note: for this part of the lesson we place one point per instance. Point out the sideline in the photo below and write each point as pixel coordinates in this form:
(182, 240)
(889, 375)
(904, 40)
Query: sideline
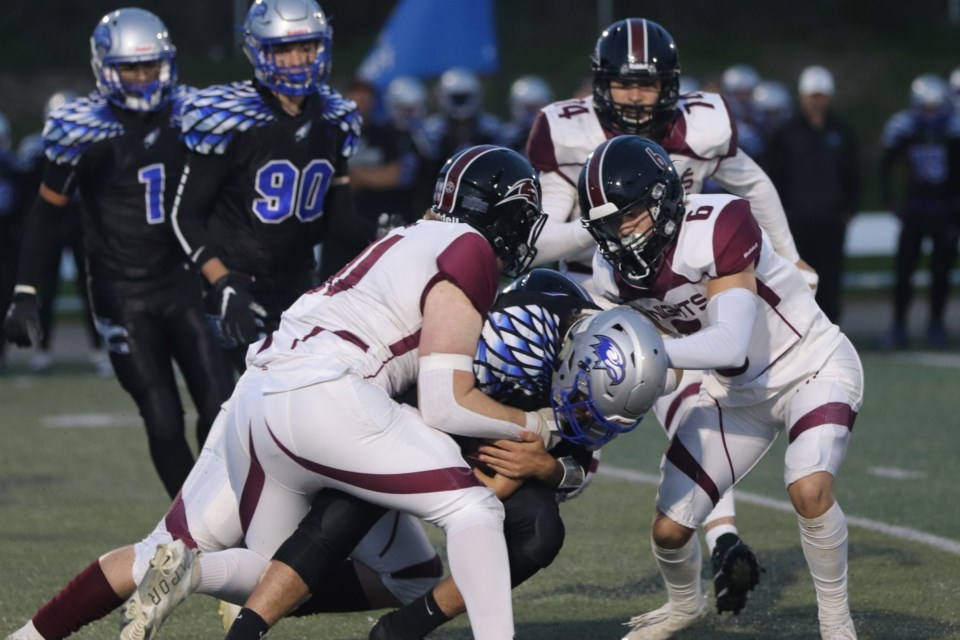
(903, 533)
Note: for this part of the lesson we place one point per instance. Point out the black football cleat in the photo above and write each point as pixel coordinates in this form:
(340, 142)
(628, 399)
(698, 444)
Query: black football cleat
(736, 572)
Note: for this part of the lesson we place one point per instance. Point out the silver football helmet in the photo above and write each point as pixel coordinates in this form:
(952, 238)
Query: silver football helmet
(406, 101)
(928, 91)
(271, 23)
(459, 94)
(528, 94)
(740, 78)
(611, 369)
(133, 36)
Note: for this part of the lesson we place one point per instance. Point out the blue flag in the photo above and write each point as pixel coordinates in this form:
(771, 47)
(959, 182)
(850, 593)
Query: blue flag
(424, 38)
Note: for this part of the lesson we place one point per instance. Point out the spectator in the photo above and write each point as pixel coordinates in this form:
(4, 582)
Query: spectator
(813, 161)
(925, 137)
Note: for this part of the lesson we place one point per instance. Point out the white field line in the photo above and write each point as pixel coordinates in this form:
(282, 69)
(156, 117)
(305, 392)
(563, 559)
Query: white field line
(931, 359)
(903, 533)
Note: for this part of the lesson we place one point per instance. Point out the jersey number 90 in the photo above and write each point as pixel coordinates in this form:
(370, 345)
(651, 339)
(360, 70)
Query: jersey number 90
(285, 190)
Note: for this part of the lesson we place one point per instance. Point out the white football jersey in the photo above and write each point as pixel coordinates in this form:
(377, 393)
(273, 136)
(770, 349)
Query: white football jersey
(367, 319)
(791, 337)
(701, 141)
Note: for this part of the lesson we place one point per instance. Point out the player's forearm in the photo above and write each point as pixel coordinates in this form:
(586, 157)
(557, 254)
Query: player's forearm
(723, 344)
(39, 247)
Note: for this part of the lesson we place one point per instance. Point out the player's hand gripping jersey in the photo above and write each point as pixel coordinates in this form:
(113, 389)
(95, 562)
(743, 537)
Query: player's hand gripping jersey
(719, 237)
(702, 143)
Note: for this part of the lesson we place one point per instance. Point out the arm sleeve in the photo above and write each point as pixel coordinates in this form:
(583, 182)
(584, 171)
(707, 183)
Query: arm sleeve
(723, 343)
(40, 246)
(196, 194)
(562, 235)
(347, 232)
(742, 176)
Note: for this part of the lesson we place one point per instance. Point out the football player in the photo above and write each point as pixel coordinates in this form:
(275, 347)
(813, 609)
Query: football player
(339, 355)
(636, 90)
(772, 361)
(266, 177)
(120, 148)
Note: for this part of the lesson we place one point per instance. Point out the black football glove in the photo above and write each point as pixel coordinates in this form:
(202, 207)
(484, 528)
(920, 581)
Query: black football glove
(22, 324)
(241, 317)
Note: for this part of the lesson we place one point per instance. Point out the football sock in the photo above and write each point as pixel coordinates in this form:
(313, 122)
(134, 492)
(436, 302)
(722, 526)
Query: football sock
(478, 561)
(248, 626)
(680, 569)
(231, 574)
(824, 542)
(715, 533)
(86, 598)
(421, 616)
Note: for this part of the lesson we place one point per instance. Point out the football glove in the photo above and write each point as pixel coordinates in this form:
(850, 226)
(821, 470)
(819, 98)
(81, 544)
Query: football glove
(736, 572)
(241, 317)
(22, 324)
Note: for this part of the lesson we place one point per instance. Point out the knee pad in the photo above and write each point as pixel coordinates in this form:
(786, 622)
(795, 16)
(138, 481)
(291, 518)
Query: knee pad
(533, 528)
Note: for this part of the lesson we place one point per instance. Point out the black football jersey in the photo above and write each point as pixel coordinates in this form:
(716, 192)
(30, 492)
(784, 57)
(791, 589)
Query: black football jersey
(126, 167)
(254, 192)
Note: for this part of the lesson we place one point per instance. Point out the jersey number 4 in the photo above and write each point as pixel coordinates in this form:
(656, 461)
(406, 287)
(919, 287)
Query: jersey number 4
(285, 190)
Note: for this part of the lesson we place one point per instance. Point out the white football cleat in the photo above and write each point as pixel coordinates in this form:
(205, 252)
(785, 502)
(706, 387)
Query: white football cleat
(662, 623)
(845, 631)
(228, 612)
(173, 575)
(26, 632)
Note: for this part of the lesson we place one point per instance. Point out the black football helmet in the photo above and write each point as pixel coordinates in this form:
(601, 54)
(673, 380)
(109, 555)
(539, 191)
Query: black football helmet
(627, 175)
(495, 191)
(629, 51)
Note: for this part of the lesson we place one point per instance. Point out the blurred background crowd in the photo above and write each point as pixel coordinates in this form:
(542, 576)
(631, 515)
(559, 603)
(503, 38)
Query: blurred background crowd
(850, 106)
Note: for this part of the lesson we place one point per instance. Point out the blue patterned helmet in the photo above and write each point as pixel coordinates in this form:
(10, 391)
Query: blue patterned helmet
(611, 369)
(133, 36)
(271, 23)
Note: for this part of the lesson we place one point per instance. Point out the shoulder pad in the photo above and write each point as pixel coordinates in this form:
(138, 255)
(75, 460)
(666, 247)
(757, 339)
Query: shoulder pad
(343, 113)
(211, 116)
(574, 130)
(181, 96)
(900, 125)
(704, 128)
(77, 124)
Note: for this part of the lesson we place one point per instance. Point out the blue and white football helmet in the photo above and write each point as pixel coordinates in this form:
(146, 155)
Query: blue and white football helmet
(276, 22)
(612, 368)
(132, 36)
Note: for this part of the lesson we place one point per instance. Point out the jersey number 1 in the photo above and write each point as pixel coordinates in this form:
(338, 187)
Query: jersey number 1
(155, 178)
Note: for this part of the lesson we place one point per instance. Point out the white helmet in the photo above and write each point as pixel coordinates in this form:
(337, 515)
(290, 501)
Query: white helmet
(815, 79)
(132, 36)
(529, 94)
(611, 369)
(406, 100)
(277, 22)
(458, 93)
(928, 91)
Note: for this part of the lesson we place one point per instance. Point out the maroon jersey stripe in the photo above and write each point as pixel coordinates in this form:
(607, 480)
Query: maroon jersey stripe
(830, 413)
(638, 40)
(176, 522)
(690, 390)
(449, 195)
(252, 489)
(354, 272)
(429, 481)
(682, 459)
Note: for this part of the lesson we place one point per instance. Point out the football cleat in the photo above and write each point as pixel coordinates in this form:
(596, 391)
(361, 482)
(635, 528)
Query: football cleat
(26, 632)
(735, 573)
(845, 631)
(388, 628)
(228, 612)
(173, 575)
(662, 623)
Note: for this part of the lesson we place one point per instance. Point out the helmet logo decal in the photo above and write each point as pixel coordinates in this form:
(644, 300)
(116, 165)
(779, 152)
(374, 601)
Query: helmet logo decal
(525, 190)
(657, 159)
(610, 358)
(101, 37)
(448, 197)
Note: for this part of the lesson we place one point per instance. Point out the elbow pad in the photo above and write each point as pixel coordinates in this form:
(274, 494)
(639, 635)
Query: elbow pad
(438, 403)
(724, 342)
